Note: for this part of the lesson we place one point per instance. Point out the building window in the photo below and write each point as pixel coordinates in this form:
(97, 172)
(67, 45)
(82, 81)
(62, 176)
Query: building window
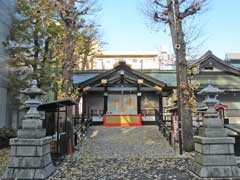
(208, 68)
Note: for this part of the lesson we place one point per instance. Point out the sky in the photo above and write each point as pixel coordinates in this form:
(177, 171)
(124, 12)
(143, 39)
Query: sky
(123, 27)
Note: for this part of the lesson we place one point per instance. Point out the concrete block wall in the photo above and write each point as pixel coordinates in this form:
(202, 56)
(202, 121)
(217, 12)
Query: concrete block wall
(6, 9)
(3, 107)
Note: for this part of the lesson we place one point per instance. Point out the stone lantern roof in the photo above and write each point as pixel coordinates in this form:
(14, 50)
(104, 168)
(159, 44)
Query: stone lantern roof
(210, 90)
(33, 90)
(211, 94)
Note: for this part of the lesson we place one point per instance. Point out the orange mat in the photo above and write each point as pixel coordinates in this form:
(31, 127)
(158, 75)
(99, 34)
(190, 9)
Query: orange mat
(122, 120)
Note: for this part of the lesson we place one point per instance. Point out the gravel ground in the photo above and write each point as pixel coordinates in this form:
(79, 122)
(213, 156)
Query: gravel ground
(124, 153)
(125, 169)
(4, 159)
(125, 142)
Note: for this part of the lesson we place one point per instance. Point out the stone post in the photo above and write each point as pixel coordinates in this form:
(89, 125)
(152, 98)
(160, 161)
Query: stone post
(214, 151)
(30, 151)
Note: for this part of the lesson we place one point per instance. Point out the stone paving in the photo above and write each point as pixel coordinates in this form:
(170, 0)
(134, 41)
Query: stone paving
(125, 153)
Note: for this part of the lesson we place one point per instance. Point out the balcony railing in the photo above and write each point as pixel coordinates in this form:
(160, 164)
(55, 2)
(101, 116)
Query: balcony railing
(95, 112)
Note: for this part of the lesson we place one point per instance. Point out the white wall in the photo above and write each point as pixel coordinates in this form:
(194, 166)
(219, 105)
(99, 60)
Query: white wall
(154, 63)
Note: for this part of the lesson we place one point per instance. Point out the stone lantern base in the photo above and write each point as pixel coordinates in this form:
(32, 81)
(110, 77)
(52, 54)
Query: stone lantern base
(214, 157)
(30, 159)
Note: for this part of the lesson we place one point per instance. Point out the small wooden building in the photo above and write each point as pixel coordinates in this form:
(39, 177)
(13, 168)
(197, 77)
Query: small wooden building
(58, 122)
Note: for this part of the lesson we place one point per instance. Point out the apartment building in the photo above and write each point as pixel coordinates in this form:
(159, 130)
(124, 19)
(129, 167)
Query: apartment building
(154, 60)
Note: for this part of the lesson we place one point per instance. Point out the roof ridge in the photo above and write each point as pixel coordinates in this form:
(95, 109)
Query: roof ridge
(209, 54)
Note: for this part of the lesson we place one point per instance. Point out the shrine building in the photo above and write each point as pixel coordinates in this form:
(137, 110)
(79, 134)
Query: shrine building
(133, 94)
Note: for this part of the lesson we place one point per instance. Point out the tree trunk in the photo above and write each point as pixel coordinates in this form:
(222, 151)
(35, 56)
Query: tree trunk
(46, 49)
(68, 62)
(185, 111)
(179, 46)
(186, 116)
(36, 53)
(68, 55)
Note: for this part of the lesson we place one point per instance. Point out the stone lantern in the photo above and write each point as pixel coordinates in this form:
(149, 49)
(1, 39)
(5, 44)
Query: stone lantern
(30, 151)
(214, 151)
(212, 125)
(32, 124)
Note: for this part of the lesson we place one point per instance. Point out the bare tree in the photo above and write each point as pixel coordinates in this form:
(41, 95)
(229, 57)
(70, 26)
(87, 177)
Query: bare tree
(174, 13)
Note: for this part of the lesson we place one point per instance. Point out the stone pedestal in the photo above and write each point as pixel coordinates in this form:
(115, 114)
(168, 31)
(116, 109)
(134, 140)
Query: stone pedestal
(30, 151)
(30, 159)
(214, 157)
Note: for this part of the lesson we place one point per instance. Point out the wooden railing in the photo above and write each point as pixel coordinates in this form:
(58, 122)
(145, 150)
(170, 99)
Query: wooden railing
(232, 113)
(81, 126)
(227, 115)
(165, 125)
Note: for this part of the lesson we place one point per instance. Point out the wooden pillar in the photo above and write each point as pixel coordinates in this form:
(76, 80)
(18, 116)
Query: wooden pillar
(160, 109)
(105, 103)
(76, 107)
(139, 103)
(139, 95)
(84, 106)
(58, 130)
(65, 122)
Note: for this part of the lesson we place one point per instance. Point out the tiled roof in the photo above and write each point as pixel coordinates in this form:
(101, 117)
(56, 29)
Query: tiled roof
(168, 78)
(81, 77)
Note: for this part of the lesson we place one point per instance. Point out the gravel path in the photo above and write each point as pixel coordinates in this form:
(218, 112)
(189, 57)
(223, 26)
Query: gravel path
(124, 153)
(125, 142)
(4, 159)
(125, 169)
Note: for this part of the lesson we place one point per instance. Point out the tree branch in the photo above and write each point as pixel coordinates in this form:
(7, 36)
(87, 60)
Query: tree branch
(192, 9)
(157, 2)
(172, 24)
(176, 10)
(160, 18)
(182, 1)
